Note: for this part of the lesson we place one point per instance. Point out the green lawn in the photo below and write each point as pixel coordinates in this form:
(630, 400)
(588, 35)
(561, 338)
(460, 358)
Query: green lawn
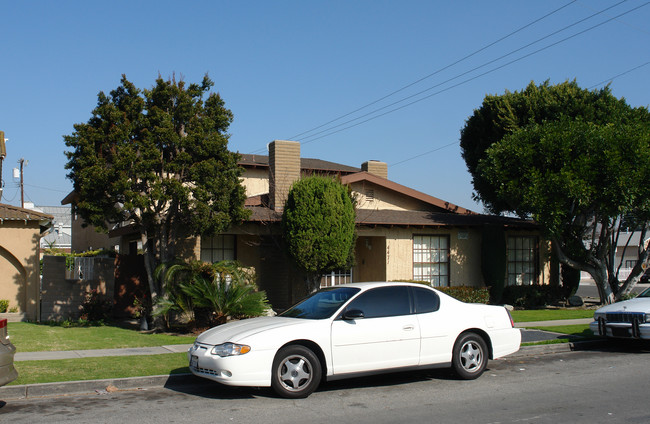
(30, 337)
(32, 372)
(550, 314)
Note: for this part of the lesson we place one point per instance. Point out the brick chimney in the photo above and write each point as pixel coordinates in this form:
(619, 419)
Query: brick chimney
(376, 167)
(284, 169)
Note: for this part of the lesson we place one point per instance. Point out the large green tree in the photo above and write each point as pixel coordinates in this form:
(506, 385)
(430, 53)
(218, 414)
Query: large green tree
(319, 227)
(575, 160)
(158, 160)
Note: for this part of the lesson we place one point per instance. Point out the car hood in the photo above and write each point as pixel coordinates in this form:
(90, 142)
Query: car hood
(239, 330)
(640, 304)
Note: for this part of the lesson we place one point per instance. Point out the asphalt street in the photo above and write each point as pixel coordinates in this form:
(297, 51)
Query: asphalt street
(599, 384)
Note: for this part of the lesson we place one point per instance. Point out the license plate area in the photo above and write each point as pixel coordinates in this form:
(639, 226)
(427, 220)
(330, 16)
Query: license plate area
(620, 332)
(194, 361)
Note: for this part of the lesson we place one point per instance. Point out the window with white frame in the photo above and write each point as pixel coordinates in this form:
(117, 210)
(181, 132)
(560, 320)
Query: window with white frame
(431, 259)
(522, 260)
(218, 248)
(335, 278)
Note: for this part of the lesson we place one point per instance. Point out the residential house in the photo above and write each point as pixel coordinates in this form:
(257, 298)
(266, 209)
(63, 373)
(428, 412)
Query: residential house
(86, 237)
(61, 234)
(20, 234)
(403, 234)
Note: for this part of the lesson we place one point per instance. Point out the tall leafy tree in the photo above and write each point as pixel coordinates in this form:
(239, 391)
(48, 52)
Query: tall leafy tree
(575, 160)
(319, 227)
(157, 159)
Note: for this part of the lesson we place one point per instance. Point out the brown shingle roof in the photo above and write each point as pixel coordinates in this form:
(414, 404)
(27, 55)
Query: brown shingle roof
(390, 218)
(306, 164)
(14, 213)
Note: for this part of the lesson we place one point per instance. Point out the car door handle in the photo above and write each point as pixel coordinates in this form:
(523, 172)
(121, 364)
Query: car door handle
(409, 327)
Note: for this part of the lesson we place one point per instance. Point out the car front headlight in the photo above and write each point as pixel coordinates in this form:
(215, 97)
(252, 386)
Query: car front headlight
(230, 349)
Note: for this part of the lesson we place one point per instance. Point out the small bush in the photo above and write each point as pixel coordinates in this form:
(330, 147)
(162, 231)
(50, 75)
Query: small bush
(96, 307)
(4, 305)
(534, 296)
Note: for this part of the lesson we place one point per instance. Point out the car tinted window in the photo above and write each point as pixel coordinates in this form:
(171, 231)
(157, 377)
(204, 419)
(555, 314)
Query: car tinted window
(383, 302)
(321, 304)
(425, 300)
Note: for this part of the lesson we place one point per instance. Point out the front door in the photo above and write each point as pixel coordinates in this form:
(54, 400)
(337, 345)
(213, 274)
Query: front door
(388, 336)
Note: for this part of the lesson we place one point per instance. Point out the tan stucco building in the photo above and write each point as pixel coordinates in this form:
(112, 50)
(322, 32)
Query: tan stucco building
(20, 233)
(403, 234)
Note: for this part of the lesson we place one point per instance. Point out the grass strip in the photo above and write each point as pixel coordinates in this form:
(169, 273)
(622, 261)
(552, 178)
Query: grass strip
(550, 314)
(31, 337)
(35, 372)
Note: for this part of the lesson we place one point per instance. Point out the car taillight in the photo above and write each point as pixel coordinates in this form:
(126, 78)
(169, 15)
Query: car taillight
(512, 321)
(3, 331)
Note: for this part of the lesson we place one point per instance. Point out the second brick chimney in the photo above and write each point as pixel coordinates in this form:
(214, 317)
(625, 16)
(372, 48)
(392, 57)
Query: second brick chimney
(284, 170)
(376, 167)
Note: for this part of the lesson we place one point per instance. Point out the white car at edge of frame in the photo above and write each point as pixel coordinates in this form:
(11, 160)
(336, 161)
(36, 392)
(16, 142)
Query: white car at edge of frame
(629, 319)
(351, 330)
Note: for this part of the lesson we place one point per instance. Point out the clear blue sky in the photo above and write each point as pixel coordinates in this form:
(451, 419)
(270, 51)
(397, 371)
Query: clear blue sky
(286, 67)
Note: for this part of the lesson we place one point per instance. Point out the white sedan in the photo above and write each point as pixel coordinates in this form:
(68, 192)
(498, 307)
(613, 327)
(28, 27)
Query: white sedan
(352, 330)
(627, 319)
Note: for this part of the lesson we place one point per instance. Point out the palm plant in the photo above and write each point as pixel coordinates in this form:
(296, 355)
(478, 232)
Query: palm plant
(223, 289)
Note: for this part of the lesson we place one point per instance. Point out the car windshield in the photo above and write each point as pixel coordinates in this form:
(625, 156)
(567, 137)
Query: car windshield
(645, 293)
(321, 304)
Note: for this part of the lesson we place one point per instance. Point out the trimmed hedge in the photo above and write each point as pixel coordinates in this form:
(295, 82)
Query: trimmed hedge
(531, 296)
(468, 294)
(462, 293)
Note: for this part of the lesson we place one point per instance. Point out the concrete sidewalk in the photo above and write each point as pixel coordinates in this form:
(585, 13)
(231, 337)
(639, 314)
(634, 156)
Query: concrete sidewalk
(95, 353)
(553, 323)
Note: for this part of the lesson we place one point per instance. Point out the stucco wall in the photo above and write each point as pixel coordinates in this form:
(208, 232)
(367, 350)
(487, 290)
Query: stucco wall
(464, 260)
(19, 267)
(256, 182)
(386, 199)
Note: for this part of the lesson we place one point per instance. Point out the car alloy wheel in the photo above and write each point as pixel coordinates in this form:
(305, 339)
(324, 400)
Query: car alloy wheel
(470, 356)
(296, 372)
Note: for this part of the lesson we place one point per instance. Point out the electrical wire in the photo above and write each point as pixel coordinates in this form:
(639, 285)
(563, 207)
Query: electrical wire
(608, 80)
(462, 82)
(437, 71)
(306, 140)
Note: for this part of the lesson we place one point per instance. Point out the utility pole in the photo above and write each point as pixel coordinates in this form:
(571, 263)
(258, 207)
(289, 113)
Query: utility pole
(3, 153)
(22, 191)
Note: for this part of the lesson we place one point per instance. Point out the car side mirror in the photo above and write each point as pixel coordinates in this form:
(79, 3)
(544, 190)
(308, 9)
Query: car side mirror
(353, 314)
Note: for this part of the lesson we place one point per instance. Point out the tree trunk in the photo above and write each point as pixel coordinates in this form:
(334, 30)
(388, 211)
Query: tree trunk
(150, 266)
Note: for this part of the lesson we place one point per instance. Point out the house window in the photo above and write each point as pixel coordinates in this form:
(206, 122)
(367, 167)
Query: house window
(522, 260)
(335, 278)
(218, 248)
(630, 263)
(431, 260)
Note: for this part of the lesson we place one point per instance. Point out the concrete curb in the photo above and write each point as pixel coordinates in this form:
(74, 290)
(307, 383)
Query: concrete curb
(30, 391)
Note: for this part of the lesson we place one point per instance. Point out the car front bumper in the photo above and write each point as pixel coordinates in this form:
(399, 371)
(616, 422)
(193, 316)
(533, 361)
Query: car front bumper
(251, 369)
(623, 330)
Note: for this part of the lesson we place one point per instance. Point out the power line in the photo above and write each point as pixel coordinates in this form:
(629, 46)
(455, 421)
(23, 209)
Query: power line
(424, 154)
(460, 83)
(438, 71)
(608, 80)
(472, 70)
